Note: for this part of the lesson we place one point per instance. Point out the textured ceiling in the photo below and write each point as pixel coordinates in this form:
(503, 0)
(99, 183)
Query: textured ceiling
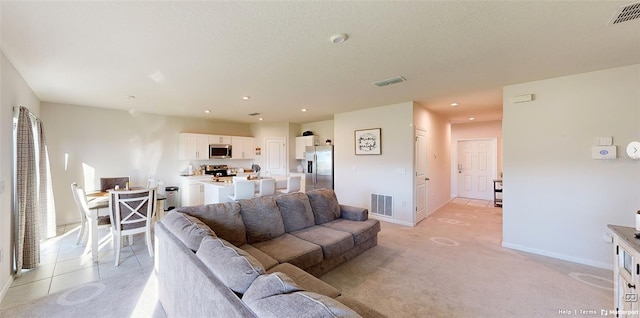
(181, 58)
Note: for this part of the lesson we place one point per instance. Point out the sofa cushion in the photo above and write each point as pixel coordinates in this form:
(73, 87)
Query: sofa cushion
(266, 260)
(262, 219)
(269, 285)
(190, 230)
(223, 218)
(233, 266)
(324, 205)
(333, 242)
(296, 211)
(290, 249)
(305, 280)
(300, 304)
(361, 230)
(362, 309)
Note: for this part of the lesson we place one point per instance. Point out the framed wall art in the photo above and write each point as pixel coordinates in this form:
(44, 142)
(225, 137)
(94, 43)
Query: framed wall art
(368, 142)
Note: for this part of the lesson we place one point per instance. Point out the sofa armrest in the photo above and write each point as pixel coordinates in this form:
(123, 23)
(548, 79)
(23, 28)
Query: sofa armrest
(353, 213)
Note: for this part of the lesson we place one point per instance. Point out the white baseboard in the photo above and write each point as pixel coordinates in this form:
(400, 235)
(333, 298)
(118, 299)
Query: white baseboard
(390, 220)
(558, 256)
(5, 288)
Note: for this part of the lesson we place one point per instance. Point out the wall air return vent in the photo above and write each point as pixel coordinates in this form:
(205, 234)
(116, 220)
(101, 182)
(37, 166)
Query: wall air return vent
(390, 81)
(626, 13)
(382, 204)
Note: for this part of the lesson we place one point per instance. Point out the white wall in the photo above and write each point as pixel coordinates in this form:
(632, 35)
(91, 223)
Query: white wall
(476, 130)
(557, 200)
(356, 177)
(322, 129)
(86, 143)
(14, 92)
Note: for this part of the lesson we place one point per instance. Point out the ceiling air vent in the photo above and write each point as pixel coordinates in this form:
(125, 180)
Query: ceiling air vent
(254, 114)
(626, 13)
(390, 81)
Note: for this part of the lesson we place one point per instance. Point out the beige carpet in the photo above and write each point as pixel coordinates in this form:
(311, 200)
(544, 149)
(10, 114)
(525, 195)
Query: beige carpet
(452, 265)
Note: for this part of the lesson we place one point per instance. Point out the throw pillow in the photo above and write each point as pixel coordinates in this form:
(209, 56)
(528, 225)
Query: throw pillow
(222, 218)
(324, 204)
(262, 219)
(233, 266)
(190, 230)
(296, 211)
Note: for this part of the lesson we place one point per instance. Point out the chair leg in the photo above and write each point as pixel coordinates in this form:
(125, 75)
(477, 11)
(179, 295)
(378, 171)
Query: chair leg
(149, 246)
(117, 248)
(82, 232)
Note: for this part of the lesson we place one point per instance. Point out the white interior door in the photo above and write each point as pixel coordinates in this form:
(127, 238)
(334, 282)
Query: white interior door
(476, 168)
(421, 182)
(275, 156)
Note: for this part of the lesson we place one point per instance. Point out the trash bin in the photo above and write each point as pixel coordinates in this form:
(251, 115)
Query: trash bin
(172, 198)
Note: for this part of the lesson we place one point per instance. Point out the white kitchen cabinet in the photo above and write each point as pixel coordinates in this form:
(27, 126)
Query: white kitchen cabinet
(192, 191)
(302, 142)
(193, 146)
(220, 140)
(243, 147)
(626, 271)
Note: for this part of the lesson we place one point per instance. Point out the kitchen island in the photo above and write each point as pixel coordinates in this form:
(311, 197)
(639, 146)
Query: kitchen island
(219, 191)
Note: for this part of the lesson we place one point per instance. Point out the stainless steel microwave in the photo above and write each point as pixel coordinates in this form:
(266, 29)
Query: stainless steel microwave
(219, 151)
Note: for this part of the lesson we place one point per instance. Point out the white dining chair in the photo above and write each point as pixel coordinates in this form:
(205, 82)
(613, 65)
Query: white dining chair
(266, 187)
(293, 185)
(80, 197)
(243, 189)
(131, 213)
(240, 178)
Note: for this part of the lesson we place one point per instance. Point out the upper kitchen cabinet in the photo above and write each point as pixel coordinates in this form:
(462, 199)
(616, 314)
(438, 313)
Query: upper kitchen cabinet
(219, 140)
(193, 146)
(302, 142)
(243, 147)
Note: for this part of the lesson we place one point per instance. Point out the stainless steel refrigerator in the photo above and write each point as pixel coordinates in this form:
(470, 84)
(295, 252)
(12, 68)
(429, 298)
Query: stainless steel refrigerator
(319, 167)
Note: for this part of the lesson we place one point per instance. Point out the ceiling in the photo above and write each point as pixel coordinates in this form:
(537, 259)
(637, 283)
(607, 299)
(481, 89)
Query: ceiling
(182, 58)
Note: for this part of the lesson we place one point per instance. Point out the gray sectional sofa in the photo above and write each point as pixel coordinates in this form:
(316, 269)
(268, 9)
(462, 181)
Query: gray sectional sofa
(260, 257)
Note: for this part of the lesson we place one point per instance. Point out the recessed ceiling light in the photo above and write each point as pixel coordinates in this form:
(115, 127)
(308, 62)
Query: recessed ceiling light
(454, 104)
(245, 97)
(304, 109)
(472, 118)
(207, 111)
(339, 38)
(260, 118)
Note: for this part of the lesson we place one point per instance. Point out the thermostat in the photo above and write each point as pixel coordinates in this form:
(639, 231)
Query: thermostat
(633, 150)
(603, 152)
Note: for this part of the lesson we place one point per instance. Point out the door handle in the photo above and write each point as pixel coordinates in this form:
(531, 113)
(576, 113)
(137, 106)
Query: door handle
(631, 286)
(426, 179)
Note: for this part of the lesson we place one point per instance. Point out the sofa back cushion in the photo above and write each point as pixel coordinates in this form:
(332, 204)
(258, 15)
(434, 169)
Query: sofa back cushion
(262, 219)
(296, 211)
(324, 205)
(188, 229)
(233, 266)
(223, 218)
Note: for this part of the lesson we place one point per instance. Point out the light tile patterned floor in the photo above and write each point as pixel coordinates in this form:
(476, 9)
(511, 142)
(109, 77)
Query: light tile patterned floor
(63, 265)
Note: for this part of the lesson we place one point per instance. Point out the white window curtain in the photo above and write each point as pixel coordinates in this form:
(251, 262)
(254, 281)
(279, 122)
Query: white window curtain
(34, 214)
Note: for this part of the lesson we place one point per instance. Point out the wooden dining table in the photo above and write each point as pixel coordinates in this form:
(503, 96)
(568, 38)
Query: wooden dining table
(98, 203)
